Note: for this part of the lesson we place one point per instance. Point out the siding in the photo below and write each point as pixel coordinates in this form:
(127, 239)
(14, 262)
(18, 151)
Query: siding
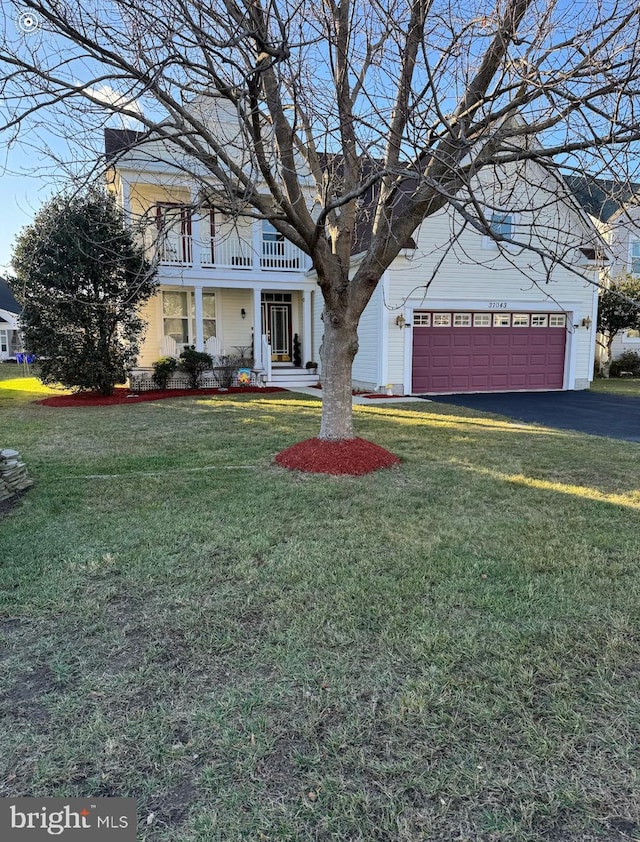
(231, 328)
(150, 348)
(366, 366)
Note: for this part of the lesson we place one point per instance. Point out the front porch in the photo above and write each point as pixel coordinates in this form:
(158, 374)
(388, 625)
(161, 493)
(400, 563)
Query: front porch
(268, 331)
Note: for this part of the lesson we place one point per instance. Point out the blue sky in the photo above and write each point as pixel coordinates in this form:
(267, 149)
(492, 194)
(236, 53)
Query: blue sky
(20, 197)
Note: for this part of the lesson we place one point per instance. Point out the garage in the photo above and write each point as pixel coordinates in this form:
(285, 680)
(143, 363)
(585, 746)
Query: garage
(487, 352)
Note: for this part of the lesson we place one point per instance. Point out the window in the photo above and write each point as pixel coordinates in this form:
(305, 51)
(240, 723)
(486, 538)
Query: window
(557, 321)
(176, 316)
(539, 320)
(179, 316)
(632, 334)
(482, 319)
(501, 224)
(269, 233)
(501, 320)
(4, 341)
(635, 257)
(462, 319)
(422, 319)
(442, 319)
(520, 320)
(277, 297)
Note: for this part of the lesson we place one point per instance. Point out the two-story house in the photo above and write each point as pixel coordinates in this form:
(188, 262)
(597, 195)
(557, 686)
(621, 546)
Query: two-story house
(454, 314)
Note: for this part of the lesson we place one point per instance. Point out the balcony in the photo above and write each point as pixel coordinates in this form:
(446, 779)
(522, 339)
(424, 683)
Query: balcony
(225, 251)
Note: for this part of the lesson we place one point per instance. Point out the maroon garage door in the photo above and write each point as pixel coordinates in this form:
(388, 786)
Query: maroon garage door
(487, 352)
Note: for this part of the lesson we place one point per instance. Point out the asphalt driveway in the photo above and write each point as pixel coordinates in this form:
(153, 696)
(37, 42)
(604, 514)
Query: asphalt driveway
(615, 416)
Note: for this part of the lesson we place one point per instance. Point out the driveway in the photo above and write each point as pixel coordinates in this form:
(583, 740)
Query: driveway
(615, 416)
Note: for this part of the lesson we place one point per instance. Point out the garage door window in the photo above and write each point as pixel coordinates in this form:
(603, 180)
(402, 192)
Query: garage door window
(462, 319)
(442, 319)
(520, 320)
(539, 320)
(557, 321)
(502, 320)
(482, 319)
(422, 319)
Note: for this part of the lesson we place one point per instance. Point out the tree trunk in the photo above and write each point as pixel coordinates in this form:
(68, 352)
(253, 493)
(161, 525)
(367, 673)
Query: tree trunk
(339, 347)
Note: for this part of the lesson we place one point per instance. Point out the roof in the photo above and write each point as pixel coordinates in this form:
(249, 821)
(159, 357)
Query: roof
(7, 299)
(119, 140)
(602, 198)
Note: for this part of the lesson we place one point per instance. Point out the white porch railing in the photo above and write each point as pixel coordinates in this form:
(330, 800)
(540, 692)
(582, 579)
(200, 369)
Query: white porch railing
(266, 356)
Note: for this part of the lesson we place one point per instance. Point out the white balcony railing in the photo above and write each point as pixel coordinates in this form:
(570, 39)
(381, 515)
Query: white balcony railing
(224, 253)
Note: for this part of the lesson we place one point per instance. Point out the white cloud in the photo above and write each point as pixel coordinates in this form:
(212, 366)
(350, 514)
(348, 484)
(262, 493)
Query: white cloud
(109, 96)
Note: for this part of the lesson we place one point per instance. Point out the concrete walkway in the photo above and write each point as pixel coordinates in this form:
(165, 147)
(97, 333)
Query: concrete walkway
(357, 399)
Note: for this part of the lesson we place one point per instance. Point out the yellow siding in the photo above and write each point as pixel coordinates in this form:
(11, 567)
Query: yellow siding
(144, 197)
(150, 348)
(231, 327)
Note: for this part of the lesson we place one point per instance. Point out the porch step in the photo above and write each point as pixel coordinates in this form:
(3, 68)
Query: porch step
(290, 377)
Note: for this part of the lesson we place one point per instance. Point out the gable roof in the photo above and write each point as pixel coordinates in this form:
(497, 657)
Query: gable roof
(7, 299)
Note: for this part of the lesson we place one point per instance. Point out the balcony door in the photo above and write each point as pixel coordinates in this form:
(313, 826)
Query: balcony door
(276, 324)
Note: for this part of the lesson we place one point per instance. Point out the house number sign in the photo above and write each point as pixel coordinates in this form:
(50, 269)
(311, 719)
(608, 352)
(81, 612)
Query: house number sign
(498, 305)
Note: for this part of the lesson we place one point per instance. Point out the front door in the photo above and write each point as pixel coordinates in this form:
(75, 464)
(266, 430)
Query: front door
(277, 326)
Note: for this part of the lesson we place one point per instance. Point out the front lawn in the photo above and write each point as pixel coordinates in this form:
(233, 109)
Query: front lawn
(617, 386)
(447, 650)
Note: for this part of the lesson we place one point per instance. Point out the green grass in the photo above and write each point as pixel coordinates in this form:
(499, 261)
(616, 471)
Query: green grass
(617, 386)
(445, 651)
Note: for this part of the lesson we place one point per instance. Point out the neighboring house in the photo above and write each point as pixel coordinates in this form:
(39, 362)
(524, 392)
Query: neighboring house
(9, 312)
(453, 314)
(615, 210)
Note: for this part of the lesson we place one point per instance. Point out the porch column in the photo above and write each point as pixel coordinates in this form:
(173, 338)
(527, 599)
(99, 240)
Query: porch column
(197, 297)
(257, 328)
(307, 353)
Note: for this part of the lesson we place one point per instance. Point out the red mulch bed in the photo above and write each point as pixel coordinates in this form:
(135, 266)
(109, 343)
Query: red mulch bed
(353, 457)
(121, 396)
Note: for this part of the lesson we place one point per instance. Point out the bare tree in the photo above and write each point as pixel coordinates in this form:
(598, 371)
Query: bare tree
(351, 116)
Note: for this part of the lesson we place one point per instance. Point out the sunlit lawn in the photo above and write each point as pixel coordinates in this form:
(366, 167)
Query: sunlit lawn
(617, 386)
(444, 651)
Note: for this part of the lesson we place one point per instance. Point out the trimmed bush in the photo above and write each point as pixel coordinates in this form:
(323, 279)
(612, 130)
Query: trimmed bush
(194, 363)
(163, 371)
